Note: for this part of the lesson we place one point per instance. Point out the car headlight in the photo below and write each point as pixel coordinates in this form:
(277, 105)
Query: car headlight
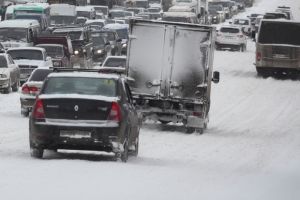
(215, 17)
(84, 50)
(3, 76)
(76, 52)
(99, 51)
(124, 45)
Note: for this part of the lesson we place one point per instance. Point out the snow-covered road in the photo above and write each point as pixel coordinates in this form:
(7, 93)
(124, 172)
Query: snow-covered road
(251, 149)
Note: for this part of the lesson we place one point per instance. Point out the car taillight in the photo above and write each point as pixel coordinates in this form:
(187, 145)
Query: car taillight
(258, 56)
(38, 111)
(115, 112)
(25, 89)
(29, 90)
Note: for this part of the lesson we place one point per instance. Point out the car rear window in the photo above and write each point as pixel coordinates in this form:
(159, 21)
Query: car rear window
(279, 33)
(39, 74)
(230, 30)
(115, 62)
(81, 85)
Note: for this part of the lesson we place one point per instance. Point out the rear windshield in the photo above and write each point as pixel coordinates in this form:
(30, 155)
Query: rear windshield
(279, 33)
(81, 85)
(115, 62)
(229, 30)
(39, 74)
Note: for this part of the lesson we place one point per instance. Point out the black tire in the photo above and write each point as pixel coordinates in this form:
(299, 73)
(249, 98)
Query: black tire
(7, 90)
(36, 152)
(190, 130)
(263, 73)
(16, 86)
(25, 113)
(136, 148)
(200, 130)
(124, 154)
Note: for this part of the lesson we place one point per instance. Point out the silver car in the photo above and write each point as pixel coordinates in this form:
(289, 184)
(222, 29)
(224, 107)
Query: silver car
(9, 74)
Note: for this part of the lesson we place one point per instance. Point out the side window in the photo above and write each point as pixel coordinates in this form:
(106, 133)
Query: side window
(128, 93)
(10, 60)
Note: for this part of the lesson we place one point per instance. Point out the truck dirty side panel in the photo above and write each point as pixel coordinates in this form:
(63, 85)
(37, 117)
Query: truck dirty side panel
(171, 64)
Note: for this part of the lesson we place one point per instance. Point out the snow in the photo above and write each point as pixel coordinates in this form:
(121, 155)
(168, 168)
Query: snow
(251, 149)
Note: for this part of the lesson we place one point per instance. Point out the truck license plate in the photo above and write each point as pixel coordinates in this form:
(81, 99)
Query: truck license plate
(75, 134)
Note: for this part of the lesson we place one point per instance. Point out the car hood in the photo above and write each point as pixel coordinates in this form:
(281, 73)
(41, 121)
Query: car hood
(30, 62)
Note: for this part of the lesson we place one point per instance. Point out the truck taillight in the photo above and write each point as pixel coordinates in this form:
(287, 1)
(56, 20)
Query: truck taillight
(198, 114)
(38, 111)
(115, 112)
(258, 56)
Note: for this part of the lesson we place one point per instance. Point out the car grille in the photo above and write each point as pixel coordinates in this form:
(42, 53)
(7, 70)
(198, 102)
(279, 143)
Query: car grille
(26, 69)
(2, 82)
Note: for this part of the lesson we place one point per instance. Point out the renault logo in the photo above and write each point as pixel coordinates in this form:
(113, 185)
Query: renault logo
(76, 108)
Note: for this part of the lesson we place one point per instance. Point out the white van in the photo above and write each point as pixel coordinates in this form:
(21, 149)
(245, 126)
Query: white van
(184, 17)
(18, 32)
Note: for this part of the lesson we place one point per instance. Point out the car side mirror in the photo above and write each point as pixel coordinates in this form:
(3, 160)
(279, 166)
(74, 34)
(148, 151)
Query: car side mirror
(216, 77)
(119, 40)
(48, 58)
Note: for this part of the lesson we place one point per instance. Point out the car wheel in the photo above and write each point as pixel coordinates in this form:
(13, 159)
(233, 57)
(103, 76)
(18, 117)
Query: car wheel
(164, 122)
(124, 154)
(136, 147)
(7, 90)
(16, 86)
(25, 113)
(200, 130)
(36, 152)
(190, 130)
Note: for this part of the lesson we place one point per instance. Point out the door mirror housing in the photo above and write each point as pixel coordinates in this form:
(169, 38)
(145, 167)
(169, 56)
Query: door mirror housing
(216, 77)
(48, 58)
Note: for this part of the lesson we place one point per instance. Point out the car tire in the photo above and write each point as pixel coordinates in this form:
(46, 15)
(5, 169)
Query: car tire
(164, 122)
(189, 130)
(136, 148)
(124, 154)
(16, 86)
(36, 152)
(25, 113)
(7, 90)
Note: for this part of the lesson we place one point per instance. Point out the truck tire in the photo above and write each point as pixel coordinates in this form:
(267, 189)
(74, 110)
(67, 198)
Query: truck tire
(189, 130)
(36, 152)
(124, 154)
(136, 148)
(7, 90)
(262, 72)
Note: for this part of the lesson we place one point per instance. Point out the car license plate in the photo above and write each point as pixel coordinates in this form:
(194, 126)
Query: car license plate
(75, 134)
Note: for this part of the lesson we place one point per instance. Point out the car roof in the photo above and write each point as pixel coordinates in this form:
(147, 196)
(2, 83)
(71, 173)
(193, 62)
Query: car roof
(52, 45)
(27, 48)
(18, 23)
(84, 75)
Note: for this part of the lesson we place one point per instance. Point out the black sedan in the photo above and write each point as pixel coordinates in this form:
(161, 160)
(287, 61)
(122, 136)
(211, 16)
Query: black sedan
(84, 111)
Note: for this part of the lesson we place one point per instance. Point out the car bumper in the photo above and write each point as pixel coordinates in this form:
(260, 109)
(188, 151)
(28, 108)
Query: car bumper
(95, 139)
(27, 104)
(4, 83)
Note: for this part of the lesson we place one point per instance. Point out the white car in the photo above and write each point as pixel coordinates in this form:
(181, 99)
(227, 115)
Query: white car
(115, 61)
(28, 59)
(244, 23)
(231, 37)
(9, 74)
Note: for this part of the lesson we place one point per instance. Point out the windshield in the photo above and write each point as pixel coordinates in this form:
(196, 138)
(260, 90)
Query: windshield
(101, 24)
(39, 74)
(102, 9)
(53, 51)
(279, 33)
(213, 11)
(83, 14)
(18, 34)
(80, 20)
(115, 62)
(35, 17)
(66, 20)
(176, 19)
(98, 40)
(81, 85)
(241, 22)
(117, 14)
(122, 33)
(74, 35)
(25, 54)
(229, 30)
(3, 62)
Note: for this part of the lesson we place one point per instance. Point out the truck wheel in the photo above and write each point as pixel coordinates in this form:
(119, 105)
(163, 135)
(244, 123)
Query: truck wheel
(16, 86)
(124, 154)
(200, 130)
(36, 152)
(262, 72)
